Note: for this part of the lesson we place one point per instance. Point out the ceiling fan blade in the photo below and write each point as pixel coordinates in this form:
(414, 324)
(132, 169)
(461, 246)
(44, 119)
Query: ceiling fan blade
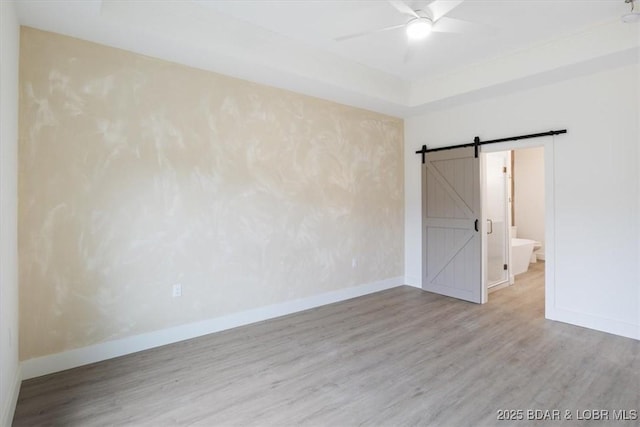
(452, 25)
(366, 33)
(402, 7)
(439, 8)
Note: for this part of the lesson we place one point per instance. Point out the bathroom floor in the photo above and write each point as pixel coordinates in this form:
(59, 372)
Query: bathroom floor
(529, 284)
(533, 277)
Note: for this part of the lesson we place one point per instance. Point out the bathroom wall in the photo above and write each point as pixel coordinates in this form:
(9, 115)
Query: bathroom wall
(529, 194)
(9, 366)
(595, 181)
(136, 174)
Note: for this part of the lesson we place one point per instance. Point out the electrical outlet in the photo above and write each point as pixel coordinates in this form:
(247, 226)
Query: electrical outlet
(177, 290)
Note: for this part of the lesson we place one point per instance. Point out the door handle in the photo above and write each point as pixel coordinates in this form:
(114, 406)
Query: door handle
(475, 225)
(490, 226)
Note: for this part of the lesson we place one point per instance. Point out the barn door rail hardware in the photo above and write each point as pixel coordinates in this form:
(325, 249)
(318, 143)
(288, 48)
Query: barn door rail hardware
(477, 143)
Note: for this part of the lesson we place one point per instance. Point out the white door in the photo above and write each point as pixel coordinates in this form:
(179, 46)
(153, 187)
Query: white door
(451, 223)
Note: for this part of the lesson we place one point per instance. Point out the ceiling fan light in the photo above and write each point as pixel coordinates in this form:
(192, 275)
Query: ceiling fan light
(419, 28)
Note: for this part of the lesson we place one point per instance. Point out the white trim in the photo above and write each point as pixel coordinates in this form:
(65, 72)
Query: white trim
(6, 416)
(484, 263)
(106, 350)
(603, 324)
(549, 227)
(416, 282)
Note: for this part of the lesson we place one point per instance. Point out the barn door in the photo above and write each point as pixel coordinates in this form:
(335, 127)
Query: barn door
(451, 220)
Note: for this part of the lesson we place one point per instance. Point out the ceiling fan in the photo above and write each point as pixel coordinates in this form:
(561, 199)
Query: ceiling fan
(421, 22)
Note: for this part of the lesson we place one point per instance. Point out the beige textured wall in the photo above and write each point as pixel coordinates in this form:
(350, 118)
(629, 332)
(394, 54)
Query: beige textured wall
(137, 173)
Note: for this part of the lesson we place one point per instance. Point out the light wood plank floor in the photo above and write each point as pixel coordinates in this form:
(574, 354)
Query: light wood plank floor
(398, 357)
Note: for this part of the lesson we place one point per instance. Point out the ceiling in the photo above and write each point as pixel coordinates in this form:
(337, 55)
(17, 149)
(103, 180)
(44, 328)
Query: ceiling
(292, 44)
(501, 26)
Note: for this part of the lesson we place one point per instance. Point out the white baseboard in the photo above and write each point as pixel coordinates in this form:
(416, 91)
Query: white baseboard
(95, 353)
(9, 405)
(616, 327)
(416, 282)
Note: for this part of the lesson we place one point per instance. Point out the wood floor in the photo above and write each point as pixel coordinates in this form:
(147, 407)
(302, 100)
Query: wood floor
(398, 357)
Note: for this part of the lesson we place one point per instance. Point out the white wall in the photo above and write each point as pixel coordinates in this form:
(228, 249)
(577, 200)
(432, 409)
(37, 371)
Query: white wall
(528, 198)
(9, 366)
(595, 185)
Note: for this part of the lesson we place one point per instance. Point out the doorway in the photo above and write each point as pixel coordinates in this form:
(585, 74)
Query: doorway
(516, 188)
